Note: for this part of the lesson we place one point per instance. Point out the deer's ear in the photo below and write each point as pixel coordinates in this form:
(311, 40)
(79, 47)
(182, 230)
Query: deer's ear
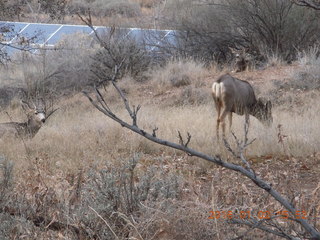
(232, 50)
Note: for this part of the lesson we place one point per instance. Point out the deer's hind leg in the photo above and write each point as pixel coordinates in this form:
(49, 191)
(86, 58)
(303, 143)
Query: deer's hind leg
(230, 120)
(218, 120)
(218, 106)
(225, 112)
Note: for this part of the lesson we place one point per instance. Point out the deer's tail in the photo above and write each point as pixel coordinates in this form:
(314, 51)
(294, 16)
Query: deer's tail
(217, 92)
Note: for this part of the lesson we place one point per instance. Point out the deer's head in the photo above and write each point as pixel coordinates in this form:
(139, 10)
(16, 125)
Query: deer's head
(263, 111)
(36, 112)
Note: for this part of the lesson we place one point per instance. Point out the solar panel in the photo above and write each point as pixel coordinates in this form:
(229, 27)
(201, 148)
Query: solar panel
(157, 40)
(171, 39)
(67, 30)
(9, 50)
(138, 35)
(9, 30)
(103, 31)
(121, 33)
(41, 32)
(50, 34)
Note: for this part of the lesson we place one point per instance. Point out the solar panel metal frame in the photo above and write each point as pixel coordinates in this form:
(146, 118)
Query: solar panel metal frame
(149, 46)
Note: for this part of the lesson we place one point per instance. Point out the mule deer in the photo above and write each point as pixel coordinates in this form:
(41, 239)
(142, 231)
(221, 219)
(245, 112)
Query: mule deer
(232, 95)
(242, 59)
(36, 117)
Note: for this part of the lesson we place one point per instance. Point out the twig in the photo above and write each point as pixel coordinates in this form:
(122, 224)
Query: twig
(181, 141)
(257, 224)
(115, 235)
(307, 3)
(124, 217)
(154, 132)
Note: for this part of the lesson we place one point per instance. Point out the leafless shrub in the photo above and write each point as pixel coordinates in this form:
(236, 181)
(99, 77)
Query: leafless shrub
(135, 63)
(10, 9)
(69, 65)
(56, 9)
(180, 80)
(274, 27)
(125, 8)
(107, 8)
(7, 94)
(62, 71)
(197, 36)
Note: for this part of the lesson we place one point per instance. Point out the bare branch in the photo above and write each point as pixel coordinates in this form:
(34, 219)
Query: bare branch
(315, 4)
(108, 225)
(257, 224)
(188, 139)
(241, 146)
(102, 101)
(154, 132)
(181, 141)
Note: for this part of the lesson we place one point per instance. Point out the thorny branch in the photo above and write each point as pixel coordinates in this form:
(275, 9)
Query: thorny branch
(241, 146)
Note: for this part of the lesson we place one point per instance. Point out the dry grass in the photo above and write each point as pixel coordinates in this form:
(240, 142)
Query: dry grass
(96, 135)
(80, 150)
(78, 120)
(178, 73)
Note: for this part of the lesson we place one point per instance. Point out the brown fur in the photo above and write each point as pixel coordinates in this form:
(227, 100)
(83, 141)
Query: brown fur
(232, 95)
(242, 59)
(36, 117)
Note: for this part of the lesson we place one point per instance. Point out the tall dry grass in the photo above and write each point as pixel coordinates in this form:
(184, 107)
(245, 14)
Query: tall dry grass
(178, 73)
(83, 136)
(80, 136)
